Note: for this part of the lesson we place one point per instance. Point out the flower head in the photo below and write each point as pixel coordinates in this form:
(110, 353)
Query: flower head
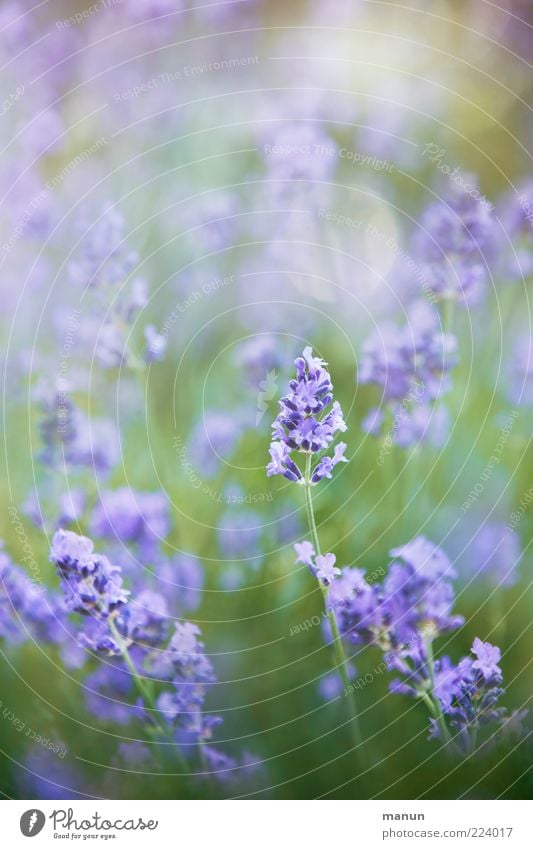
(487, 657)
(307, 423)
(322, 566)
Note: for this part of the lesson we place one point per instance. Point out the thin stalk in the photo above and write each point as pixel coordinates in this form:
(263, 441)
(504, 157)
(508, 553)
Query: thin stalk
(144, 691)
(338, 649)
(438, 714)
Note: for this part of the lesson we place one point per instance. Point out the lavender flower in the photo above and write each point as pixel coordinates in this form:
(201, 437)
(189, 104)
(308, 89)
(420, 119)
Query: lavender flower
(455, 234)
(472, 693)
(92, 587)
(213, 440)
(102, 258)
(321, 566)
(307, 423)
(185, 665)
(516, 215)
(258, 356)
(413, 604)
(411, 366)
(156, 345)
(135, 632)
(181, 581)
(130, 516)
(495, 554)
(239, 535)
(70, 436)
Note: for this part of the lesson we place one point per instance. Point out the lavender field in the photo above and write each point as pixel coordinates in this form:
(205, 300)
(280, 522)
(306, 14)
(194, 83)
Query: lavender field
(266, 497)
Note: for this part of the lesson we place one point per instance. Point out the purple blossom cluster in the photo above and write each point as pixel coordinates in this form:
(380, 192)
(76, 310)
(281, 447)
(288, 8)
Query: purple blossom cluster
(411, 366)
(321, 566)
(455, 236)
(403, 616)
(120, 619)
(307, 423)
(103, 266)
(156, 670)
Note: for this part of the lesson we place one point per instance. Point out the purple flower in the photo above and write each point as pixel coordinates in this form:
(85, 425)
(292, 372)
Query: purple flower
(13, 593)
(156, 344)
(69, 436)
(239, 535)
(325, 569)
(305, 553)
(495, 554)
(517, 244)
(307, 423)
(47, 776)
(487, 659)
(473, 699)
(92, 586)
(455, 234)
(213, 440)
(108, 693)
(130, 516)
(216, 221)
(185, 665)
(325, 467)
(411, 366)
(102, 256)
(416, 598)
(181, 580)
(257, 356)
(322, 566)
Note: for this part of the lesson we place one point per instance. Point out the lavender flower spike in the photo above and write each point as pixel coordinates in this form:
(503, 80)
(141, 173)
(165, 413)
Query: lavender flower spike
(307, 423)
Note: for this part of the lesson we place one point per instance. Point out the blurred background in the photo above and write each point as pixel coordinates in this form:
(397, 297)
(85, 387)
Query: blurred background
(191, 193)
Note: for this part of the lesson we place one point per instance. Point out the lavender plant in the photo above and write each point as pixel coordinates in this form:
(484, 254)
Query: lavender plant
(405, 614)
(168, 667)
(307, 425)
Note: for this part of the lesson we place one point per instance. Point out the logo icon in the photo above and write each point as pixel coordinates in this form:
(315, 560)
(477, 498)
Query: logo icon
(268, 391)
(32, 822)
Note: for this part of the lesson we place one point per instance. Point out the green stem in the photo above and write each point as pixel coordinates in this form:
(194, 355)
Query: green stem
(437, 710)
(144, 691)
(338, 649)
